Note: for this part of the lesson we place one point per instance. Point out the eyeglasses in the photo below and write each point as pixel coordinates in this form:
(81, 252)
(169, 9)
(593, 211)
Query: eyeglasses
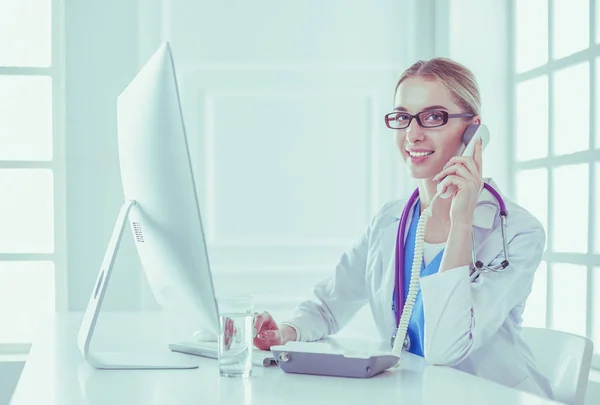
(426, 119)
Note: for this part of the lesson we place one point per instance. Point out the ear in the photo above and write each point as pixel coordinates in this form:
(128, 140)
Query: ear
(477, 120)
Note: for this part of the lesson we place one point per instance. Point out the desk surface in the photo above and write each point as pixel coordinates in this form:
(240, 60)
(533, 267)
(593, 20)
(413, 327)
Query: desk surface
(56, 373)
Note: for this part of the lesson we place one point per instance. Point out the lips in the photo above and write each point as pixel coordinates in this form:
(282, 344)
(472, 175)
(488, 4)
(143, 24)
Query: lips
(418, 154)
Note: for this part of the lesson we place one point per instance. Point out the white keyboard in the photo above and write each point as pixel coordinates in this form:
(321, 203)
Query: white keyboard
(261, 358)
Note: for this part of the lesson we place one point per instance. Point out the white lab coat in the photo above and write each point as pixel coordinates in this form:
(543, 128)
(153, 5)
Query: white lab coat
(471, 326)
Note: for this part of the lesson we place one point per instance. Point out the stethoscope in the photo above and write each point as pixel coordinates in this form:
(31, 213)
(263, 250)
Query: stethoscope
(479, 267)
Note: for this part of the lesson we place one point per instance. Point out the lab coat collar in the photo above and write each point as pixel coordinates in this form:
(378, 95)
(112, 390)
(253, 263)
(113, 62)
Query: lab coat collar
(485, 211)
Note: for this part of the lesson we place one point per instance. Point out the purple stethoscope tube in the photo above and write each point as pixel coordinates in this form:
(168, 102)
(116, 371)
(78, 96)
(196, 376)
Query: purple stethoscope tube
(399, 276)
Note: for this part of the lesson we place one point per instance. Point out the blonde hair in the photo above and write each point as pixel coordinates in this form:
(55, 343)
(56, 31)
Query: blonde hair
(457, 79)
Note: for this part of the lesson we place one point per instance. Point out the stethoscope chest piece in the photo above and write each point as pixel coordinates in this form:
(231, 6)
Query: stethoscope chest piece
(406, 344)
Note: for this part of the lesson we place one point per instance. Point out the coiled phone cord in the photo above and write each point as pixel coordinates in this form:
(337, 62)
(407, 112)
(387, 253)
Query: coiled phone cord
(414, 279)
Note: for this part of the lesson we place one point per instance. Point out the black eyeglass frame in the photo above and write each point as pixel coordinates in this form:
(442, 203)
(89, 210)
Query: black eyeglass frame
(445, 115)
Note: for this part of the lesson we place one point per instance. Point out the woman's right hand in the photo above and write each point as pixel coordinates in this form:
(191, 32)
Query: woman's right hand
(267, 333)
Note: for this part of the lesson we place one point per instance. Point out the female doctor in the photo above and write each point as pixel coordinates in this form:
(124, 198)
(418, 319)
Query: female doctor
(469, 323)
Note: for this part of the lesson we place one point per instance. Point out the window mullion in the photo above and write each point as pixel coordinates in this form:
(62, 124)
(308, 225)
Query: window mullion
(26, 71)
(549, 222)
(512, 97)
(592, 173)
(58, 153)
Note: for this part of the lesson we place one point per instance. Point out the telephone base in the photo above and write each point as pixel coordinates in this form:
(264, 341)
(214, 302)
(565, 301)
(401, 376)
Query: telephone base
(333, 363)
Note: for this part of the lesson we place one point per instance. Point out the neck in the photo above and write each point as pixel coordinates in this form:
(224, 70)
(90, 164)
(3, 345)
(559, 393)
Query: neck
(427, 190)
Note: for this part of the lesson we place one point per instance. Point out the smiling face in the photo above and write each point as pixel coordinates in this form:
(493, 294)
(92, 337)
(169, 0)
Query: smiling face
(426, 150)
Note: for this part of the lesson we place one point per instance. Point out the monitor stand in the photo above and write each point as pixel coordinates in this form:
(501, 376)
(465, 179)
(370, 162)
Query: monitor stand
(121, 360)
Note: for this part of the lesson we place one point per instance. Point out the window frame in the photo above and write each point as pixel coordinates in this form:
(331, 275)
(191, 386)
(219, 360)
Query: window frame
(589, 156)
(57, 164)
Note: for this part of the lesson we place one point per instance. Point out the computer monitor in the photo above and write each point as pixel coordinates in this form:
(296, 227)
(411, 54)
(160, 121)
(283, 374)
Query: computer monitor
(162, 210)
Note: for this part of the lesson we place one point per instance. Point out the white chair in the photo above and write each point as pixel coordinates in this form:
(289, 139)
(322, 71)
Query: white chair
(564, 359)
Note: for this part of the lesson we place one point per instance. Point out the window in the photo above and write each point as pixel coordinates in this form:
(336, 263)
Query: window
(556, 159)
(32, 235)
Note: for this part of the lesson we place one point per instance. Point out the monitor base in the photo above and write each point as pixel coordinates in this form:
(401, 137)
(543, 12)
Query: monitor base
(121, 360)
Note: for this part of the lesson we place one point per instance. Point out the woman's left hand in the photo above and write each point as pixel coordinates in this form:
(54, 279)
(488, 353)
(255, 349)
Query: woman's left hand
(465, 173)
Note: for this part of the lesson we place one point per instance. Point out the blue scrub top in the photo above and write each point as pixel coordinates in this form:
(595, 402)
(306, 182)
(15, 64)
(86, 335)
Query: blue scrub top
(416, 329)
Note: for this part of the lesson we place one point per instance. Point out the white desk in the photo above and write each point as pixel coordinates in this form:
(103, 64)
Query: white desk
(56, 373)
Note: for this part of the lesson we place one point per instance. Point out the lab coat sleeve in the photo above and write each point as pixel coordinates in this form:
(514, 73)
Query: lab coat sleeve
(461, 316)
(338, 297)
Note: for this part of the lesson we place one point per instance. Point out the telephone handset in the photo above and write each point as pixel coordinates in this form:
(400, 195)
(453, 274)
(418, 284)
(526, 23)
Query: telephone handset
(471, 136)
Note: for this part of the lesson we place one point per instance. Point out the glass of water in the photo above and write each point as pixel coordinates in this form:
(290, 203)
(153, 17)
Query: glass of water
(235, 340)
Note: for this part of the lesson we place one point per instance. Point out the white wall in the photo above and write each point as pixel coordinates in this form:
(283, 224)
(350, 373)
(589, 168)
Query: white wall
(101, 58)
(355, 69)
(283, 196)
